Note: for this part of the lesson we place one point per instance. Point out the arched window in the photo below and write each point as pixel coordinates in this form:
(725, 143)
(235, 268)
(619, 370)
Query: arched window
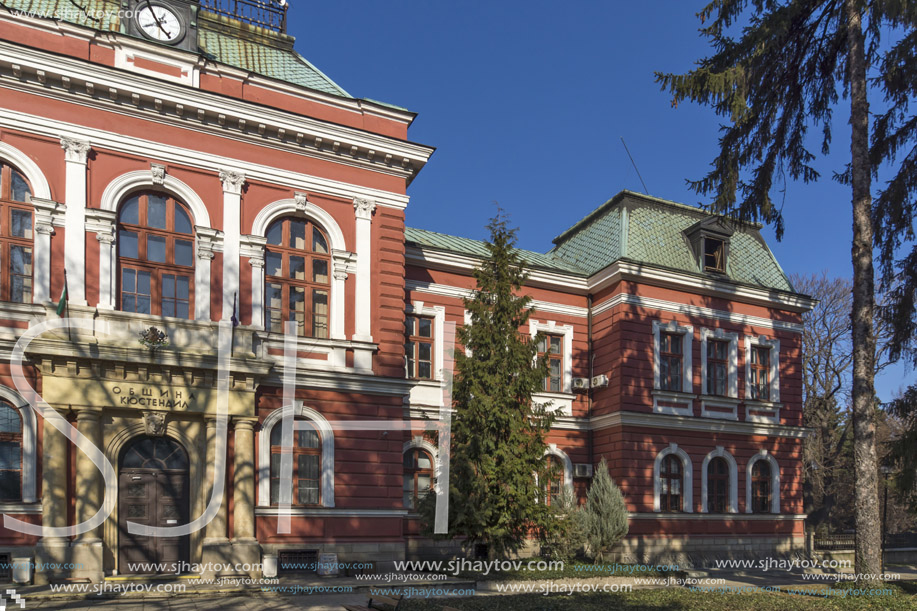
(15, 236)
(10, 453)
(418, 476)
(671, 480)
(156, 256)
(307, 464)
(717, 485)
(553, 485)
(761, 487)
(297, 269)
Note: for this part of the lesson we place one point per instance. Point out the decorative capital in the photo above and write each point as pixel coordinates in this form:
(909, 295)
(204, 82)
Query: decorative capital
(74, 149)
(301, 201)
(106, 238)
(340, 274)
(44, 228)
(256, 263)
(204, 253)
(159, 173)
(232, 181)
(364, 208)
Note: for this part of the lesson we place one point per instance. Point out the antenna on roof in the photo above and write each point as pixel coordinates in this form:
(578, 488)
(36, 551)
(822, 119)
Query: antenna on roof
(645, 190)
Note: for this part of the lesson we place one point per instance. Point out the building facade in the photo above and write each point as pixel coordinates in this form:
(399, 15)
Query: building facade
(172, 166)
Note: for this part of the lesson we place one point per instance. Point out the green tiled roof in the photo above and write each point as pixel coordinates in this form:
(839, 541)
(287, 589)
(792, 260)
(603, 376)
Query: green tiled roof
(637, 228)
(224, 40)
(267, 60)
(476, 248)
(651, 231)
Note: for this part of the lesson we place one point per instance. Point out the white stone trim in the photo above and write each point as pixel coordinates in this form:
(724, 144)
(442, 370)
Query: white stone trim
(775, 480)
(29, 443)
(438, 314)
(420, 442)
(363, 211)
(733, 499)
(553, 450)
(774, 345)
(550, 327)
(29, 168)
(264, 452)
(48, 215)
(730, 401)
(300, 206)
(687, 484)
(661, 421)
(680, 403)
(233, 181)
(124, 185)
(75, 153)
(165, 103)
(455, 292)
(293, 206)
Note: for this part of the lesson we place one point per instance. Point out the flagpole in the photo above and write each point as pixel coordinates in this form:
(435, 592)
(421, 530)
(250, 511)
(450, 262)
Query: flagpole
(67, 306)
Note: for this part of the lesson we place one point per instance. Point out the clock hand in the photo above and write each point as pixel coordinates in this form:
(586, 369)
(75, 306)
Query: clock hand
(156, 19)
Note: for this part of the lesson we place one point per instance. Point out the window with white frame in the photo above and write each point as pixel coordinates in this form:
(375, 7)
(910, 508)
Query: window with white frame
(719, 374)
(312, 450)
(557, 348)
(762, 484)
(762, 379)
(672, 481)
(672, 372)
(719, 482)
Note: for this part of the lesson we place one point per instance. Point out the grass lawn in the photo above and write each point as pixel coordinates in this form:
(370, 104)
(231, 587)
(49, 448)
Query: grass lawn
(904, 598)
(570, 570)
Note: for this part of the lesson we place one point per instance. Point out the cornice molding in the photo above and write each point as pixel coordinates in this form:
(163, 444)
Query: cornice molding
(101, 139)
(132, 94)
(617, 271)
(691, 423)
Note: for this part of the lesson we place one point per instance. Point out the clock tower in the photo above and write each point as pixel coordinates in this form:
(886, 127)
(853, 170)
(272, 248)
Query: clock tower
(168, 22)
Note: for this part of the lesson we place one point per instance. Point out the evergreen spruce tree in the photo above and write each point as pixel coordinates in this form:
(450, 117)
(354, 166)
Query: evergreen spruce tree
(780, 68)
(498, 433)
(605, 514)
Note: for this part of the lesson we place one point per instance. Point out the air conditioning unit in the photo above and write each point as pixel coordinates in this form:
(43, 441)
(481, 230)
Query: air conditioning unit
(600, 381)
(580, 383)
(582, 470)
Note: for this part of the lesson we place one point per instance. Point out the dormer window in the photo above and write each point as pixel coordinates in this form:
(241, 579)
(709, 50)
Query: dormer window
(714, 255)
(709, 239)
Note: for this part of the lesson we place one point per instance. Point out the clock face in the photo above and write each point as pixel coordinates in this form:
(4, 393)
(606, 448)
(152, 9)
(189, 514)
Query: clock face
(159, 23)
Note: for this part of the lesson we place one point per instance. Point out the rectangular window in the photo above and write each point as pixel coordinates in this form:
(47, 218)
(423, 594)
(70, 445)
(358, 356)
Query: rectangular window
(717, 367)
(319, 313)
(760, 383)
(176, 295)
(20, 274)
(671, 361)
(274, 302)
(418, 347)
(551, 349)
(136, 293)
(714, 255)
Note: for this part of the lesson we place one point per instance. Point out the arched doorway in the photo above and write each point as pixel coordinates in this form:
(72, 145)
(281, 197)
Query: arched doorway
(152, 490)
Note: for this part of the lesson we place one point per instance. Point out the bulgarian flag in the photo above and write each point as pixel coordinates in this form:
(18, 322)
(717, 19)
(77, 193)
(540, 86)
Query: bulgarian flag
(62, 302)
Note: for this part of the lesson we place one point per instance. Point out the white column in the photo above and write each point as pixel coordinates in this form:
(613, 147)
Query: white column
(232, 236)
(207, 242)
(75, 197)
(257, 292)
(102, 223)
(363, 307)
(45, 211)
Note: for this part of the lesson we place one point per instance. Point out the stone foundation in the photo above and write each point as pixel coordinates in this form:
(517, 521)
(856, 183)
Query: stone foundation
(699, 551)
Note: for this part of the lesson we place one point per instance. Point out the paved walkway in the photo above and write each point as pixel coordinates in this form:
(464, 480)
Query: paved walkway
(214, 598)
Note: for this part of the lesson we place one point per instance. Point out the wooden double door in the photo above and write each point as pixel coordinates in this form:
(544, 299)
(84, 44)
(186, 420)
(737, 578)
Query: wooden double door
(153, 490)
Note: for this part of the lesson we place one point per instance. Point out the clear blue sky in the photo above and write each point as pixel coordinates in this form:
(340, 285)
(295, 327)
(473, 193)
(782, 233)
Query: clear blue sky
(526, 103)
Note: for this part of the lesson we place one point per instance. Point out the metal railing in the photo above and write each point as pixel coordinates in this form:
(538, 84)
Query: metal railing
(268, 14)
(848, 541)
